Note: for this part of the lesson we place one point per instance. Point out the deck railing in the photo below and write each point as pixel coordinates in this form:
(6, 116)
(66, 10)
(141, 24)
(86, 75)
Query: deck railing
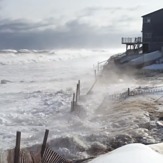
(129, 40)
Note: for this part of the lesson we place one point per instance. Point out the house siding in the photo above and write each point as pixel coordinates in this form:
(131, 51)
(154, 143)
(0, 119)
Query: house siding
(152, 31)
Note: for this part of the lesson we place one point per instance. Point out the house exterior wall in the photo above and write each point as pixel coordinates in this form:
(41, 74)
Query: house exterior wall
(152, 31)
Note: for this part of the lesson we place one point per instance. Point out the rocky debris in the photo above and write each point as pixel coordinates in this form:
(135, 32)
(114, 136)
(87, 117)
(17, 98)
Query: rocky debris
(4, 81)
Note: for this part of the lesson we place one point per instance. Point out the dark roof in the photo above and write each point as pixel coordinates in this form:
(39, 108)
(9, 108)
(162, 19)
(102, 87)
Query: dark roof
(153, 12)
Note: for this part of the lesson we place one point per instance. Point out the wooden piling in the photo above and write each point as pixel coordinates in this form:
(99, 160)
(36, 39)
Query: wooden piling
(17, 147)
(44, 142)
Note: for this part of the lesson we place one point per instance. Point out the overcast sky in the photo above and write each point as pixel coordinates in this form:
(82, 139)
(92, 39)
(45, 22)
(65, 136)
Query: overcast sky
(50, 24)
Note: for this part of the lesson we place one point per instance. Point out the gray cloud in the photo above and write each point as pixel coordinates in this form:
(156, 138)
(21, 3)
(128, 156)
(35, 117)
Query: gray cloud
(20, 25)
(1, 4)
(92, 10)
(48, 34)
(18, 34)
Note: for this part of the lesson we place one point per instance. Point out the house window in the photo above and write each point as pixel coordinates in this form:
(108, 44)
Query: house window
(147, 35)
(147, 20)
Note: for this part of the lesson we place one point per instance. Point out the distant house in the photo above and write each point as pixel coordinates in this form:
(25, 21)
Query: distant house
(152, 31)
(152, 35)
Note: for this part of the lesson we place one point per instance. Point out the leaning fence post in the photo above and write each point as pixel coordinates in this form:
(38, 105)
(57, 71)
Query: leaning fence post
(44, 142)
(17, 147)
(128, 91)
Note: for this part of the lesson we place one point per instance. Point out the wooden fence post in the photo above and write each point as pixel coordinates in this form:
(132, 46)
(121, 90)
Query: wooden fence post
(95, 74)
(44, 142)
(17, 147)
(77, 92)
(79, 87)
(73, 103)
(98, 66)
(72, 106)
(128, 91)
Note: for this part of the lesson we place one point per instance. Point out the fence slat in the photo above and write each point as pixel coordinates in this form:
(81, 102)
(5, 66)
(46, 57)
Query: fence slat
(52, 157)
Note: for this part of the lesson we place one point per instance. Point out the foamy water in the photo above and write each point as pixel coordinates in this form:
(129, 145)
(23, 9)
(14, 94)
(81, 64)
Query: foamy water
(36, 91)
(35, 94)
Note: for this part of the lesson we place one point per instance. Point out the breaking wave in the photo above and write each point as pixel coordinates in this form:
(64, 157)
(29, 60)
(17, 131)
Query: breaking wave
(22, 56)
